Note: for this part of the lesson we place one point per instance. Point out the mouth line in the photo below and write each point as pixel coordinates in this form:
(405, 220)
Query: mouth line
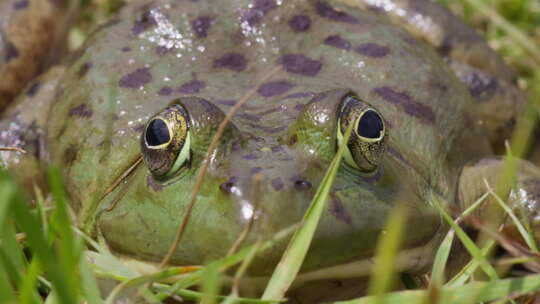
(414, 260)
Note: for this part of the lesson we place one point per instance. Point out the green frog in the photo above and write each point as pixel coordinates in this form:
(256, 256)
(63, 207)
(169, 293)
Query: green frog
(130, 116)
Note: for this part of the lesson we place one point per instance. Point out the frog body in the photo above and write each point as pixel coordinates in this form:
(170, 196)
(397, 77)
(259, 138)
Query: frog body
(301, 66)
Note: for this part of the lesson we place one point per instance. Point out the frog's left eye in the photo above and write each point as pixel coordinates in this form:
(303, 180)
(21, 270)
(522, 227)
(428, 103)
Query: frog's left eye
(367, 143)
(165, 142)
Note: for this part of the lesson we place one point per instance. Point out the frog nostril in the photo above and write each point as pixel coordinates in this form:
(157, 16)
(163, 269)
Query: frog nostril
(301, 184)
(226, 187)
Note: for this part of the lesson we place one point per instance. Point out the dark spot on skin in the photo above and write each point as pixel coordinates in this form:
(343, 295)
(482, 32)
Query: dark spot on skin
(269, 111)
(11, 50)
(84, 69)
(376, 9)
(277, 183)
(192, 86)
(143, 23)
(227, 102)
(338, 210)
(62, 131)
(277, 149)
(250, 156)
(165, 91)
(481, 86)
(300, 64)
(299, 95)
(337, 42)
(446, 46)
(249, 117)
(254, 15)
(136, 79)
(201, 25)
(231, 61)
(300, 23)
(274, 88)
(301, 184)
(81, 110)
(152, 183)
(32, 91)
(228, 185)
(126, 49)
(21, 4)
(293, 140)
(407, 103)
(372, 50)
(265, 5)
(326, 11)
(255, 170)
(70, 155)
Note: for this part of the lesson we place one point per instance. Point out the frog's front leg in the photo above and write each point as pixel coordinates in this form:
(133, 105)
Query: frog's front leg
(23, 130)
(524, 198)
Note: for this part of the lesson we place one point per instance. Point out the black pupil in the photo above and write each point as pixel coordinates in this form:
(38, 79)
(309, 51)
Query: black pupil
(157, 133)
(370, 125)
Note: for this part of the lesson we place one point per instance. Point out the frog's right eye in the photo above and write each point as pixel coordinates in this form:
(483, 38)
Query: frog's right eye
(166, 140)
(367, 143)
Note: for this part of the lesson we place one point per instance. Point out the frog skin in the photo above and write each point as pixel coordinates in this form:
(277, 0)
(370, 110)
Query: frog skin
(156, 81)
(32, 35)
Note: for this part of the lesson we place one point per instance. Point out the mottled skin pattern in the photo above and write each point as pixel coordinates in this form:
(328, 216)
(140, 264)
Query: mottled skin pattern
(210, 56)
(30, 31)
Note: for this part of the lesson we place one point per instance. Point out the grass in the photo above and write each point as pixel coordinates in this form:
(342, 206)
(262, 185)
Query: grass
(43, 259)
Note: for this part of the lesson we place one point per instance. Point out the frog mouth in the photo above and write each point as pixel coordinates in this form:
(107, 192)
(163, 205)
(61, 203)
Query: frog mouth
(411, 260)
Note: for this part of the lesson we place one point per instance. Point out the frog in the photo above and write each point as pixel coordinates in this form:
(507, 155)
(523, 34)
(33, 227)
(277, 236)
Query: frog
(129, 120)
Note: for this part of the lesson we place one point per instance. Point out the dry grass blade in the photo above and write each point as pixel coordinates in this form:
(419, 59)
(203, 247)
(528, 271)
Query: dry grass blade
(15, 149)
(206, 163)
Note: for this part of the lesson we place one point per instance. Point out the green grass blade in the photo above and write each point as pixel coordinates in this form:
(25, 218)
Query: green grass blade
(473, 250)
(466, 272)
(294, 255)
(386, 253)
(7, 294)
(525, 234)
(90, 288)
(211, 282)
(197, 296)
(31, 225)
(441, 258)
(475, 292)
(69, 250)
(28, 286)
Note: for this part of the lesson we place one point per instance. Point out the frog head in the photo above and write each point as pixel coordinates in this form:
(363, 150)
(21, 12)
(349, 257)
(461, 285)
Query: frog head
(264, 184)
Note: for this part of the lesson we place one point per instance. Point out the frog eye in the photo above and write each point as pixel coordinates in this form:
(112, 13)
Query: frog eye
(165, 142)
(367, 143)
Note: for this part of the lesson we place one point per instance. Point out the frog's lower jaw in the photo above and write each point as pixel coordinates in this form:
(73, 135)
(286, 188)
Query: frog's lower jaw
(414, 260)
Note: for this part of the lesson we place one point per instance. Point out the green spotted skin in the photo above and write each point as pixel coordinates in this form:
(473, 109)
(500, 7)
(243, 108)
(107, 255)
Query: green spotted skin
(210, 56)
